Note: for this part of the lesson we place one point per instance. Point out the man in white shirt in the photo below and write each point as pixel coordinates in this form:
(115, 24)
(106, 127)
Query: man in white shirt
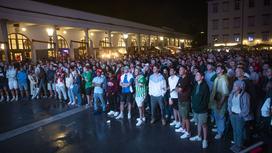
(157, 89)
(12, 82)
(173, 100)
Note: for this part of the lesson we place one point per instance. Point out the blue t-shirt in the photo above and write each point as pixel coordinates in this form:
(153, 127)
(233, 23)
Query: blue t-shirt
(127, 80)
(22, 77)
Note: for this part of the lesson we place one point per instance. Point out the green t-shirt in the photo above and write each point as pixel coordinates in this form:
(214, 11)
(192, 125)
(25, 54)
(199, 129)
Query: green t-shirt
(88, 79)
(141, 89)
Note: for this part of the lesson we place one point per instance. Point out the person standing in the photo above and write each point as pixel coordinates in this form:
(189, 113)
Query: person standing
(173, 99)
(98, 83)
(112, 87)
(219, 96)
(140, 95)
(22, 80)
(60, 88)
(157, 90)
(12, 82)
(200, 101)
(126, 81)
(239, 112)
(87, 76)
(3, 85)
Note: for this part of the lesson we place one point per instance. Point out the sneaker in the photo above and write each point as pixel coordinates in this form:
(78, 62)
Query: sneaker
(143, 119)
(196, 138)
(178, 125)
(173, 123)
(232, 142)
(7, 99)
(129, 115)
(120, 116)
(152, 121)
(204, 144)
(185, 135)
(69, 103)
(73, 103)
(110, 113)
(192, 120)
(116, 114)
(139, 123)
(147, 108)
(163, 122)
(13, 98)
(180, 130)
(218, 136)
(2, 99)
(214, 130)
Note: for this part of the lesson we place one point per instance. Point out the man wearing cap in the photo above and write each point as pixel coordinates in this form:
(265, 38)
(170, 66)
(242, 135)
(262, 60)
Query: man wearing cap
(98, 91)
(126, 81)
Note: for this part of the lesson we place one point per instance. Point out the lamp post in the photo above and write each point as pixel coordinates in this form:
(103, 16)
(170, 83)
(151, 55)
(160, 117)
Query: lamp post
(125, 36)
(50, 33)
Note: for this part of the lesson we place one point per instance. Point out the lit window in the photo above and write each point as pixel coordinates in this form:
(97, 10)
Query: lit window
(250, 37)
(236, 37)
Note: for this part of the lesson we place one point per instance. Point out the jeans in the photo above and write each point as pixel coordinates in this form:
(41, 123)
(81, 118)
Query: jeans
(238, 126)
(61, 91)
(77, 93)
(71, 94)
(42, 85)
(220, 121)
(154, 102)
(99, 96)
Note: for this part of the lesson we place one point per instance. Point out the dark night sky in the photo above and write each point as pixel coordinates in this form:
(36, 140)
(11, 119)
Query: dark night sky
(187, 16)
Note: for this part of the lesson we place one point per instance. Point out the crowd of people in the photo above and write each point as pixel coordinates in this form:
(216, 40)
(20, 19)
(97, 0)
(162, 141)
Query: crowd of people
(220, 89)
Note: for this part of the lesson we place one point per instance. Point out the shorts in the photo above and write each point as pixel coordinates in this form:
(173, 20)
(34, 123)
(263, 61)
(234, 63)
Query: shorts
(201, 118)
(23, 86)
(140, 101)
(184, 108)
(126, 97)
(51, 86)
(175, 103)
(3, 85)
(13, 84)
(88, 91)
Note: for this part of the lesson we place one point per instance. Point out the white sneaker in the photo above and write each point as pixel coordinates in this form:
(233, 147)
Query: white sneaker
(7, 99)
(143, 119)
(192, 120)
(120, 116)
(73, 103)
(195, 138)
(69, 103)
(110, 113)
(204, 144)
(129, 115)
(139, 123)
(178, 125)
(214, 130)
(185, 135)
(147, 108)
(173, 123)
(180, 130)
(218, 136)
(13, 98)
(116, 114)
(2, 99)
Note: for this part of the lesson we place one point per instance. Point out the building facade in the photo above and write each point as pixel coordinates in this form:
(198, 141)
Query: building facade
(240, 23)
(34, 30)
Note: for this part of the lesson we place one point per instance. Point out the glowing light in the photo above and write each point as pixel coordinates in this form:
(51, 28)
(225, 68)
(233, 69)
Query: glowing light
(202, 32)
(258, 41)
(231, 44)
(92, 34)
(245, 41)
(2, 46)
(219, 44)
(181, 40)
(23, 29)
(125, 35)
(161, 38)
(64, 32)
(111, 35)
(50, 31)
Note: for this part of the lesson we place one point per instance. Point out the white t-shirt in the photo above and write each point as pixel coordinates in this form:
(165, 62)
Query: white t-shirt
(266, 108)
(173, 81)
(236, 104)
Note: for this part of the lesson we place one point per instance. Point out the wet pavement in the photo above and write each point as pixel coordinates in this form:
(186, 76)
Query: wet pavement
(87, 133)
(17, 114)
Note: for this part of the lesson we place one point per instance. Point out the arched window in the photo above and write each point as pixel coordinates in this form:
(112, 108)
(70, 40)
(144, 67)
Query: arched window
(19, 46)
(121, 42)
(104, 42)
(62, 42)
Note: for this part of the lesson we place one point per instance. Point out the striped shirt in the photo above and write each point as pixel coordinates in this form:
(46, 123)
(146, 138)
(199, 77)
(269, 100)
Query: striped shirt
(140, 86)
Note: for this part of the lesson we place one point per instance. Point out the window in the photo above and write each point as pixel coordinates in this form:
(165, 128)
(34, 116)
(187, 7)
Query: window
(121, 43)
(250, 37)
(62, 42)
(225, 6)
(236, 4)
(251, 3)
(265, 36)
(251, 21)
(225, 23)
(215, 24)
(215, 7)
(236, 22)
(236, 37)
(266, 2)
(215, 38)
(225, 37)
(266, 19)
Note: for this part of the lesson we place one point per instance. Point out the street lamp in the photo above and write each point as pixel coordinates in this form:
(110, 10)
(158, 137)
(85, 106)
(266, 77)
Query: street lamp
(161, 38)
(125, 35)
(2, 46)
(50, 32)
